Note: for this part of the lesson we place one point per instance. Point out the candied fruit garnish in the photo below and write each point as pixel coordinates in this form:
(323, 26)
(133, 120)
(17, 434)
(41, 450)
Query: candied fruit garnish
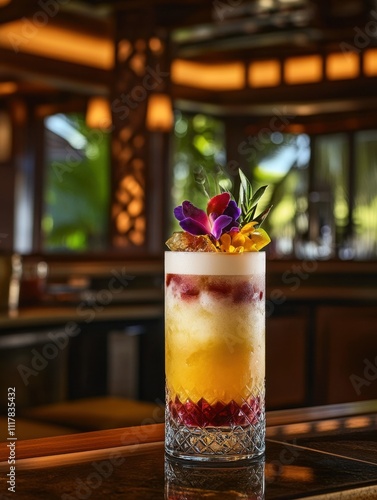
(185, 242)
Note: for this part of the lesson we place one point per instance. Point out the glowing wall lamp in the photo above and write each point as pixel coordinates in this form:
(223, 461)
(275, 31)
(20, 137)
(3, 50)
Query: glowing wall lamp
(159, 113)
(264, 73)
(226, 76)
(98, 114)
(8, 88)
(370, 62)
(307, 69)
(341, 66)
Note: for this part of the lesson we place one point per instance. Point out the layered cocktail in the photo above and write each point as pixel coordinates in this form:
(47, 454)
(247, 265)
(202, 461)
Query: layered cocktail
(215, 354)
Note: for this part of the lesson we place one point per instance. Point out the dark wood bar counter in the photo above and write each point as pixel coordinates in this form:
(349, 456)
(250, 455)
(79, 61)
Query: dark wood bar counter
(325, 452)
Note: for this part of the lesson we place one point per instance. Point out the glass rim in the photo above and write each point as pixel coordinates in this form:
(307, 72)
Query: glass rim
(215, 263)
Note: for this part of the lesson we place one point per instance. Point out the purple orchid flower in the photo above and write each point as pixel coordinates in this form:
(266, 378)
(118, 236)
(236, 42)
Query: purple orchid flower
(222, 214)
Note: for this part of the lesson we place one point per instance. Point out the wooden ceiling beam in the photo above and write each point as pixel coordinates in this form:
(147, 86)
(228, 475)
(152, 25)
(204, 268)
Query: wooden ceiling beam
(58, 74)
(353, 95)
(170, 14)
(78, 21)
(17, 9)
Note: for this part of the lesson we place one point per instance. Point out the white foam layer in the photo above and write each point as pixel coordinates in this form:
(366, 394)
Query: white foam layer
(215, 264)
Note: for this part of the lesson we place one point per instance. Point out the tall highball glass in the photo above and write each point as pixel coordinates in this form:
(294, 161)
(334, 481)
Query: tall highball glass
(215, 355)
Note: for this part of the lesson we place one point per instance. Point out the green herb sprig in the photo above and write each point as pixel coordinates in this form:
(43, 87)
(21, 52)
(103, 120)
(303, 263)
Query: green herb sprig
(248, 201)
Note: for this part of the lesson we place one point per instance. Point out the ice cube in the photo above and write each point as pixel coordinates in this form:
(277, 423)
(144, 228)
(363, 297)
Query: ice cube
(182, 241)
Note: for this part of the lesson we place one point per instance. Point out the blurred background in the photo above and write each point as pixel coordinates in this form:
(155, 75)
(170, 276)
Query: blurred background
(111, 114)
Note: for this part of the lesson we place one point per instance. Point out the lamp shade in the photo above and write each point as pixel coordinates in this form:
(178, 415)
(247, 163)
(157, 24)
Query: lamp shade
(98, 114)
(159, 113)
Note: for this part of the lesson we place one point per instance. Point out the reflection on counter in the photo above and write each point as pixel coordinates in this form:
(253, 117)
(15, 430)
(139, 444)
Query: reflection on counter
(188, 481)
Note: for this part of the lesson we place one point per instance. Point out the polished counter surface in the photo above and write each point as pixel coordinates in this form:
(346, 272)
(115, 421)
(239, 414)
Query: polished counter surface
(47, 316)
(329, 457)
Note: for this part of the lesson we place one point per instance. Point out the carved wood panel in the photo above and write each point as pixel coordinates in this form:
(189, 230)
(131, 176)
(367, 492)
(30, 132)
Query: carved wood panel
(141, 69)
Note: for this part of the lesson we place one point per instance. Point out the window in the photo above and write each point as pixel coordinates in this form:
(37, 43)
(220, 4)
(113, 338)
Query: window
(76, 186)
(323, 188)
(198, 160)
(365, 203)
(283, 165)
(330, 194)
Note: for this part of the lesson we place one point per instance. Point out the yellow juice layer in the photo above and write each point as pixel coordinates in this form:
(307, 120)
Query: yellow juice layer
(214, 347)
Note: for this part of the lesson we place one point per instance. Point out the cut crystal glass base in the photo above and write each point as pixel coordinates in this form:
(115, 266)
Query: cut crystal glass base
(217, 444)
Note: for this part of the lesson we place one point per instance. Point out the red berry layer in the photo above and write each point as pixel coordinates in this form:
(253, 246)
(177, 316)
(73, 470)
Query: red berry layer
(240, 290)
(219, 414)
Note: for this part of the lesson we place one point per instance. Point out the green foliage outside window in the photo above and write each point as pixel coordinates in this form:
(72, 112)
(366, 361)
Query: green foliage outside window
(281, 163)
(76, 186)
(199, 153)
